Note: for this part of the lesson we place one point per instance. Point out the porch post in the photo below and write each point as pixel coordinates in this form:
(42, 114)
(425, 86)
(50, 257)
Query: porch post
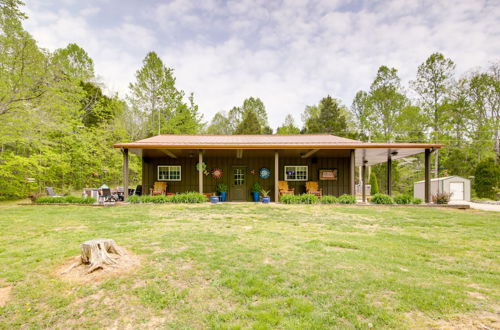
(276, 176)
(352, 171)
(200, 171)
(363, 182)
(125, 174)
(389, 175)
(427, 175)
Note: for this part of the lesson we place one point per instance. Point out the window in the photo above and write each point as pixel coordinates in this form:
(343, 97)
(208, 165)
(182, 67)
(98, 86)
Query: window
(239, 176)
(296, 173)
(169, 173)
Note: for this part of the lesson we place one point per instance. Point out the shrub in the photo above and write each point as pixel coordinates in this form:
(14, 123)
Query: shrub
(327, 199)
(416, 200)
(487, 179)
(441, 198)
(299, 199)
(289, 199)
(373, 183)
(189, 197)
(347, 199)
(65, 200)
(403, 199)
(382, 199)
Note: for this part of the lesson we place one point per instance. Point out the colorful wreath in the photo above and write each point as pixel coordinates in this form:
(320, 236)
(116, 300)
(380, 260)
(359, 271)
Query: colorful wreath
(203, 166)
(264, 173)
(217, 173)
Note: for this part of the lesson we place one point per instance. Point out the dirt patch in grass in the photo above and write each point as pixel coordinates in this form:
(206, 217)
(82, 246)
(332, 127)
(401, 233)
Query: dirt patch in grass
(5, 295)
(475, 320)
(125, 265)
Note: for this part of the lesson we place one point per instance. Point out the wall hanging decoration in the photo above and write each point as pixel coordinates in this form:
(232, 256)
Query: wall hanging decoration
(253, 172)
(328, 174)
(203, 166)
(206, 172)
(217, 173)
(264, 173)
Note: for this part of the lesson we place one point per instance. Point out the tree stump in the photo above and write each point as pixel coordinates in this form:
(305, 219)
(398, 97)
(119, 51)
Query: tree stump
(96, 253)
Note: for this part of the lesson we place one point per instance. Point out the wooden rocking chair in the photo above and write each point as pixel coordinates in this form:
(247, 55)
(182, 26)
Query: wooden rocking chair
(283, 188)
(159, 188)
(312, 187)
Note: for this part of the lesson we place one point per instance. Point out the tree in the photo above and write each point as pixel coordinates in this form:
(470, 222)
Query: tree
(220, 124)
(250, 124)
(386, 101)
(24, 68)
(154, 94)
(373, 183)
(74, 62)
(288, 126)
(487, 179)
(362, 115)
(330, 116)
(434, 78)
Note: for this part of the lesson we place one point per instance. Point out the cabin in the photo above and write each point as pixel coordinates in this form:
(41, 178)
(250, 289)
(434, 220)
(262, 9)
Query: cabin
(201, 162)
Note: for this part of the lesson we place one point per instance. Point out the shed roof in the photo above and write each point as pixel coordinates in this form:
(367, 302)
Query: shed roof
(443, 178)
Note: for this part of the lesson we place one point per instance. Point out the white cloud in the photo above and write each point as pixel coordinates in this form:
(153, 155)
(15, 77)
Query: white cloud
(290, 54)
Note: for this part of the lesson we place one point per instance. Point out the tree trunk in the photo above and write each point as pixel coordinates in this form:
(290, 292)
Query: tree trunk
(96, 253)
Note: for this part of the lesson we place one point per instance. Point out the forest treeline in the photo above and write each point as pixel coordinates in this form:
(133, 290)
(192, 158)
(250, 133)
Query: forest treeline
(57, 125)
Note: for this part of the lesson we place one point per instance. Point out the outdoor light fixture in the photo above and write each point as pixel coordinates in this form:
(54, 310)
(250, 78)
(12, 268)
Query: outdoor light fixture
(394, 153)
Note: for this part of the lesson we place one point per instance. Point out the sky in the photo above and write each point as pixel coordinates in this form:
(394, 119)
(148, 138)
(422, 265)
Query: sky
(288, 53)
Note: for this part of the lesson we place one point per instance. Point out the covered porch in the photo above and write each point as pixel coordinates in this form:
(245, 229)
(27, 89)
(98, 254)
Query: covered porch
(241, 161)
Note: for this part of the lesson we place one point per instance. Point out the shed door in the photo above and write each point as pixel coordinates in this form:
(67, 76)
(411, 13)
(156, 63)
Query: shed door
(457, 191)
(238, 190)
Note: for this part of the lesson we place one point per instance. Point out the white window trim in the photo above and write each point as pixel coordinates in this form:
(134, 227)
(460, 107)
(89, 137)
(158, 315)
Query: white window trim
(285, 175)
(158, 173)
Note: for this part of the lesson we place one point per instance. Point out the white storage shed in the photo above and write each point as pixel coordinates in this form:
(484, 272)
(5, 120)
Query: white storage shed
(456, 185)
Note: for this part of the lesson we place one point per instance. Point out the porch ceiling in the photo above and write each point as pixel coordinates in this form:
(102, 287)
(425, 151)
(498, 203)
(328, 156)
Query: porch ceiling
(374, 156)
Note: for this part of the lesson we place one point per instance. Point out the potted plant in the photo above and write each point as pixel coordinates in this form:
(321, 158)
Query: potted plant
(256, 188)
(222, 189)
(265, 196)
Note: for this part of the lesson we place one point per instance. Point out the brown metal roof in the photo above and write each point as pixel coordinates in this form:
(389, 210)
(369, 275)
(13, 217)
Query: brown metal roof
(313, 141)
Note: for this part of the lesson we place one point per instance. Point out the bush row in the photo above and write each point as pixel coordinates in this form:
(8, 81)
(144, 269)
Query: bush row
(65, 200)
(400, 199)
(190, 197)
(313, 199)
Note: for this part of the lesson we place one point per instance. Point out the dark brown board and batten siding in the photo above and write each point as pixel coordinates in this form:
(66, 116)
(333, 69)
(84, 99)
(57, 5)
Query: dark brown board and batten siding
(189, 174)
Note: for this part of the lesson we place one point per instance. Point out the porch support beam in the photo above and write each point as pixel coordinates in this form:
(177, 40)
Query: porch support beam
(310, 153)
(363, 182)
(427, 175)
(389, 175)
(200, 171)
(168, 153)
(125, 173)
(352, 172)
(276, 176)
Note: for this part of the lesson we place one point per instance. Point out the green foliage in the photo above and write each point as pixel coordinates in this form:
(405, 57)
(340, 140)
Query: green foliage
(382, 199)
(65, 200)
(347, 199)
(373, 183)
(265, 193)
(188, 198)
(330, 116)
(327, 199)
(416, 201)
(487, 179)
(403, 199)
(256, 187)
(249, 124)
(299, 199)
(288, 126)
(222, 187)
(441, 198)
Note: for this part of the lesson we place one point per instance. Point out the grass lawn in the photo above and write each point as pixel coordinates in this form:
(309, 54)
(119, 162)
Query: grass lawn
(255, 266)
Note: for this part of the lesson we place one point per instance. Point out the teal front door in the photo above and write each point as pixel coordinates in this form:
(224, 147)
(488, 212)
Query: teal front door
(238, 189)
